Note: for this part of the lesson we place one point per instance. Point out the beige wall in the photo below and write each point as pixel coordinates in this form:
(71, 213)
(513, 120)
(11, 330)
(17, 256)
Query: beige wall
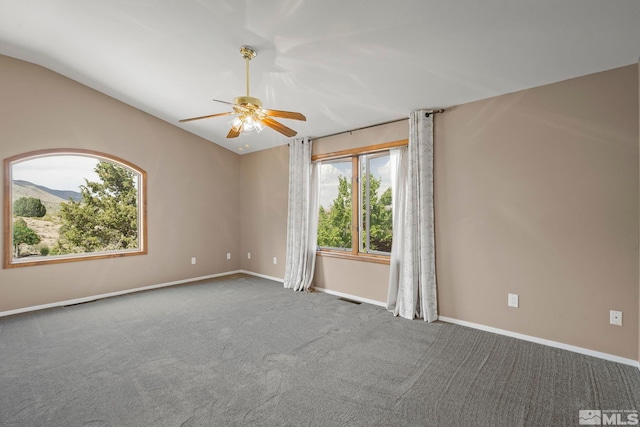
(362, 138)
(264, 186)
(536, 193)
(193, 189)
(359, 278)
(639, 218)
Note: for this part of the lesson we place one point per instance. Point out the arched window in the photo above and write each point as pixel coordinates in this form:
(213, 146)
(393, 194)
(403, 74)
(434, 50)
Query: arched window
(68, 205)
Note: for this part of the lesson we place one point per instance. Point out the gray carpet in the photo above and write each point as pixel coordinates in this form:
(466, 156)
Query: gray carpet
(244, 351)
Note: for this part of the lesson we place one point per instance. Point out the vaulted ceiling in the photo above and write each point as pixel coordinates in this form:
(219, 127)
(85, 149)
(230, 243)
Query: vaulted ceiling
(343, 63)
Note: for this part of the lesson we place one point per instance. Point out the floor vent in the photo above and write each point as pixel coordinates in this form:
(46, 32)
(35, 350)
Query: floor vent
(349, 300)
(80, 303)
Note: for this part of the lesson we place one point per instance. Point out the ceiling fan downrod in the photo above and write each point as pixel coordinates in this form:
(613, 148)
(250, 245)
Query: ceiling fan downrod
(248, 53)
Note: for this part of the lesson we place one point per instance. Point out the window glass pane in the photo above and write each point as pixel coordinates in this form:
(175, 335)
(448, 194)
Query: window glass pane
(335, 216)
(376, 220)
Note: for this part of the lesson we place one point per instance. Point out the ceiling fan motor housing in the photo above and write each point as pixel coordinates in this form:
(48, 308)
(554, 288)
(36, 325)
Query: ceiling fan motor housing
(247, 101)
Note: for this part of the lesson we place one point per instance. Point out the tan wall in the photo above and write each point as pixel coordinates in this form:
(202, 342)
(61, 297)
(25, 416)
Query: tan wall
(536, 193)
(362, 279)
(639, 218)
(362, 138)
(264, 186)
(193, 189)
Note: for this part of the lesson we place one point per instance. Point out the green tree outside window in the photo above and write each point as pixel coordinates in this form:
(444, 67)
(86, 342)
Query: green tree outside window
(107, 216)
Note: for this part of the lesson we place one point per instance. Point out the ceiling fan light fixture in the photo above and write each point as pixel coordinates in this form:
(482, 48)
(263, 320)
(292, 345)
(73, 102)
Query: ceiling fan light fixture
(236, 123)
(251, 117)
(252, 125)
(248, 123)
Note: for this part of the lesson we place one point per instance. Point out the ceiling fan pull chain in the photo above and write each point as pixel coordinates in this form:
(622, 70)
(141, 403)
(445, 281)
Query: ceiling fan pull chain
(248, 53)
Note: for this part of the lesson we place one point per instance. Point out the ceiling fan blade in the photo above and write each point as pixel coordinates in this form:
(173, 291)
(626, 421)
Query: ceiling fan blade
(285, 114)
(233, 133)
(279, 127)
(206, 117)
(224, 102)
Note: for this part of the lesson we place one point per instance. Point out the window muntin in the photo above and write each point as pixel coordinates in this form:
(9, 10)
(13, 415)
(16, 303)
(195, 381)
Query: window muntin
(95, 207)
(367, 226)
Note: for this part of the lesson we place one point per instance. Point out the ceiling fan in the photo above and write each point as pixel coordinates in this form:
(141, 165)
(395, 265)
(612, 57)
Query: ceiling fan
(250, 114)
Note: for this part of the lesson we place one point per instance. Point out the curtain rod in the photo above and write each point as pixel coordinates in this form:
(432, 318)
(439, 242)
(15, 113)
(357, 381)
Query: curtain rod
(373, 126)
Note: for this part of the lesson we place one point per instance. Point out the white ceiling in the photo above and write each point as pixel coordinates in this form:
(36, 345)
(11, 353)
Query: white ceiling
(343, 63)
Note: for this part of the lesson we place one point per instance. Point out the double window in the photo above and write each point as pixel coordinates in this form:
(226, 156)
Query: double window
(355, 218)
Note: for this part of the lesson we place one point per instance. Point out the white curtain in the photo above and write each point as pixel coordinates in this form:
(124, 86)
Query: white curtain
(302, 217)
(412, 279)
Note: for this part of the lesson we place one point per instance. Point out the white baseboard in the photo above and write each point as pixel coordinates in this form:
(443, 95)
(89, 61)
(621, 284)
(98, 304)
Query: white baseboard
(264, 276)
(351, 297)
(112, 294)
(322, 290)
(543, 341)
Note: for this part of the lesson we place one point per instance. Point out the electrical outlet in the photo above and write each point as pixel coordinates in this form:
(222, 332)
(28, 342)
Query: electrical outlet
(615, 317)
(193, 260)
(228, 255)
(275, 260)
(513, 300)
(248, 255)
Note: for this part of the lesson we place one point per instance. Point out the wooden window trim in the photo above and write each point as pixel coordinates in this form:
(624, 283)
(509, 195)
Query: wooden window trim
(360, 150)
(8, 261)
(332, 253)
